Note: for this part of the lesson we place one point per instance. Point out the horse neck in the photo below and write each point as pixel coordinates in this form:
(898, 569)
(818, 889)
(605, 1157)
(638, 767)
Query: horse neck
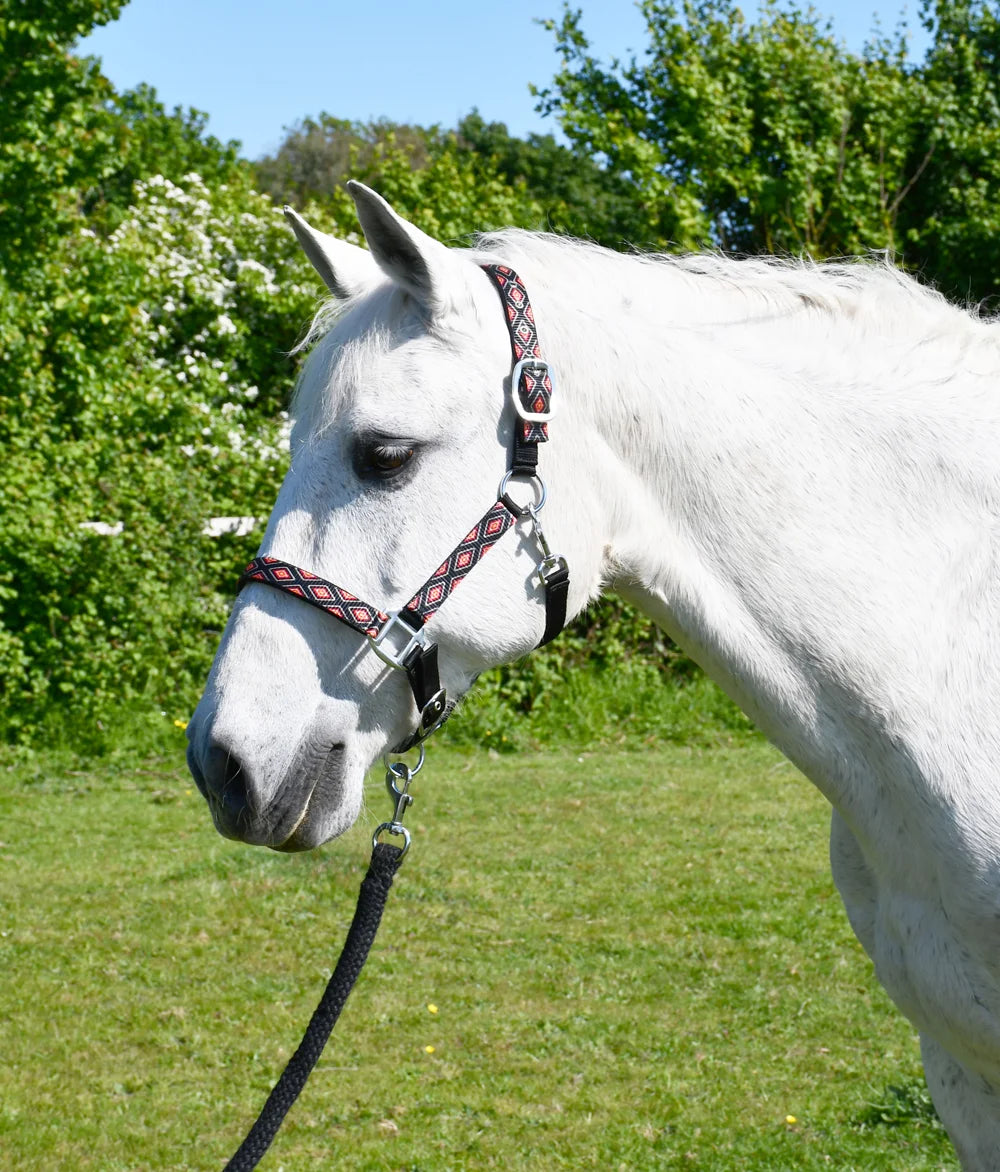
(680, 407)
(761, 498)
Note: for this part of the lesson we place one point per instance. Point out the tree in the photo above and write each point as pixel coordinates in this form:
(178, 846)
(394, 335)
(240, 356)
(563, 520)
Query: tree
(576, 194)
(949, 223)
(319, 155)
(56, 134)
(752, 137)
(771, 136)
(153, 141)
(145, 391)
(430, 175)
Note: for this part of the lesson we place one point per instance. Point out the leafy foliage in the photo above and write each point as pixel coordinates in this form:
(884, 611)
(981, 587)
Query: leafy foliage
(906, 1104)
(949, 223)
(56, 134)
(445, 188)
(157, 142)
(771, 136)
(577, 196)
(125, 400)
(318, 156)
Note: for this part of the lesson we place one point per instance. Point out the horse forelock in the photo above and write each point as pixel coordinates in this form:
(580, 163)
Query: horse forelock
(346, 337)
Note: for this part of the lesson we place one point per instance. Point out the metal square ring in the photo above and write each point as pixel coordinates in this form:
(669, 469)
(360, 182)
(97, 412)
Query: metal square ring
(400, 659)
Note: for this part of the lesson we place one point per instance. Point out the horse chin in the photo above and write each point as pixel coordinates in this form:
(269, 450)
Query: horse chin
(313, 831)
(318, 788)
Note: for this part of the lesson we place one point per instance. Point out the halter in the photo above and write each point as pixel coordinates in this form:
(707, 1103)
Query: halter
(398, 638)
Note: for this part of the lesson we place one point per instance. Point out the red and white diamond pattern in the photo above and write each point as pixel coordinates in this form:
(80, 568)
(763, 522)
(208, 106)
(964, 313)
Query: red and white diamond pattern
(313, 589)
(461, 560)
(536, 393)
(366, 619)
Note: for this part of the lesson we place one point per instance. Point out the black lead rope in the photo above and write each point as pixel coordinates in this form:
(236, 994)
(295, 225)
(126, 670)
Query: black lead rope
(371, 903)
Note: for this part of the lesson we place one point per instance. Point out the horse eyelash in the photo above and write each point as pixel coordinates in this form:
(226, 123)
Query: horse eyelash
(386, 450)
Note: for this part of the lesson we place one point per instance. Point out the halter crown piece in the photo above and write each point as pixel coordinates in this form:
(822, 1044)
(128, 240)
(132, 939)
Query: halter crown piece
(399, 638)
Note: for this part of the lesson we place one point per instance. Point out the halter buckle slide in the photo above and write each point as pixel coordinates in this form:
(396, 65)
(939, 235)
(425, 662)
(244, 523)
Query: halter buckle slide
(537, 368)
(408, 641)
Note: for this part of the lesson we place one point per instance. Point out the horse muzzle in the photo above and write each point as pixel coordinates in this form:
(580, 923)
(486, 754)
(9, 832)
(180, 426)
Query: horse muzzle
(302, 811)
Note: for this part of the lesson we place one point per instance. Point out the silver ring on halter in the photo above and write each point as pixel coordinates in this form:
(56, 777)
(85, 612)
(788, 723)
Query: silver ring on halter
(537, 483)
(403, 771)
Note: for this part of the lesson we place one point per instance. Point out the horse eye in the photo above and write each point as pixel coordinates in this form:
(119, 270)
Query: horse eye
(386, 460)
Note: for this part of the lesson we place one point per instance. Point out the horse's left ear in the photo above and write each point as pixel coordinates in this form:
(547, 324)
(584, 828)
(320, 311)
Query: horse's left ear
(431, 273)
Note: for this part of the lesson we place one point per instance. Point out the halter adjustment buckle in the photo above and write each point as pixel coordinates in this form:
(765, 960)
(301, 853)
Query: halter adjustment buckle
(410, 642)
(538, 368)
(551, 568)
(434, 714)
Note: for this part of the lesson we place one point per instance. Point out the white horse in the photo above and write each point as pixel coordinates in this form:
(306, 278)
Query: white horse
(793, 469)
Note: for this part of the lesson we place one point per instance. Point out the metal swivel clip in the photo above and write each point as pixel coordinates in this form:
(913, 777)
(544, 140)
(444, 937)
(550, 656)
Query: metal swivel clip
(398, 776)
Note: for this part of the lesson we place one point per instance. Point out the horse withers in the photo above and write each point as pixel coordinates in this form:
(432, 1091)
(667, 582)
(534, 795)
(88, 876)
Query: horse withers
(793, 469)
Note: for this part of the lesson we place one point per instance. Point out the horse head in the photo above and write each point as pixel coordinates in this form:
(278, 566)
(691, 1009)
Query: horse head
(402, 432)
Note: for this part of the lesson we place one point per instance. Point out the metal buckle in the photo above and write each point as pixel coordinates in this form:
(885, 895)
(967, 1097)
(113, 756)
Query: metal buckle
(535, 366)
(415, 642)
(549, 566)
(434, 714)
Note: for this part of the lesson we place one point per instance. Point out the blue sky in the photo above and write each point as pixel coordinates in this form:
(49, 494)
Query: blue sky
(257, 67)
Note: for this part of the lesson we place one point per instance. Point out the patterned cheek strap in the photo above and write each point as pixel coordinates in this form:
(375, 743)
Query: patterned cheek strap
(531, 381)
(399, 638)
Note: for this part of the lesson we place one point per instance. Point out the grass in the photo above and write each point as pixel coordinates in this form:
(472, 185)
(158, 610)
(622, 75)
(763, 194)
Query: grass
(637, 961)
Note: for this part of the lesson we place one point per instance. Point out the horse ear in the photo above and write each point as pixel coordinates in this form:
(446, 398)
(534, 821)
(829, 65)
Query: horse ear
(420, 264)
(345, 268)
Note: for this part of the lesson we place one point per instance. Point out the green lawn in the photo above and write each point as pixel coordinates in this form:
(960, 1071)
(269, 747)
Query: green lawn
(637, 960)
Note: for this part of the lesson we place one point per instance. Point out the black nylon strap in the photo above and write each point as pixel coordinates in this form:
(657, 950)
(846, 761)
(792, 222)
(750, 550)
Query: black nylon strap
(524, 458)
(371, 903)
(556, 596)
(422, 672)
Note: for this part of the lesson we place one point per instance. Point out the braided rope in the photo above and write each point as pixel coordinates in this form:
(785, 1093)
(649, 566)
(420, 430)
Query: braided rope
(371, 903)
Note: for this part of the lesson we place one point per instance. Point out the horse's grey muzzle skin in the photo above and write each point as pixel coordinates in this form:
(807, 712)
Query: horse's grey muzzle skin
(312, 783)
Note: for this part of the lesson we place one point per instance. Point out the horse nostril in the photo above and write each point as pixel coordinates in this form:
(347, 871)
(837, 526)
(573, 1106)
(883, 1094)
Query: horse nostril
(224, 783)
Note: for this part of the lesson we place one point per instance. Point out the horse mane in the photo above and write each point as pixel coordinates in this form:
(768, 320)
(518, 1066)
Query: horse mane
(871, 286)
